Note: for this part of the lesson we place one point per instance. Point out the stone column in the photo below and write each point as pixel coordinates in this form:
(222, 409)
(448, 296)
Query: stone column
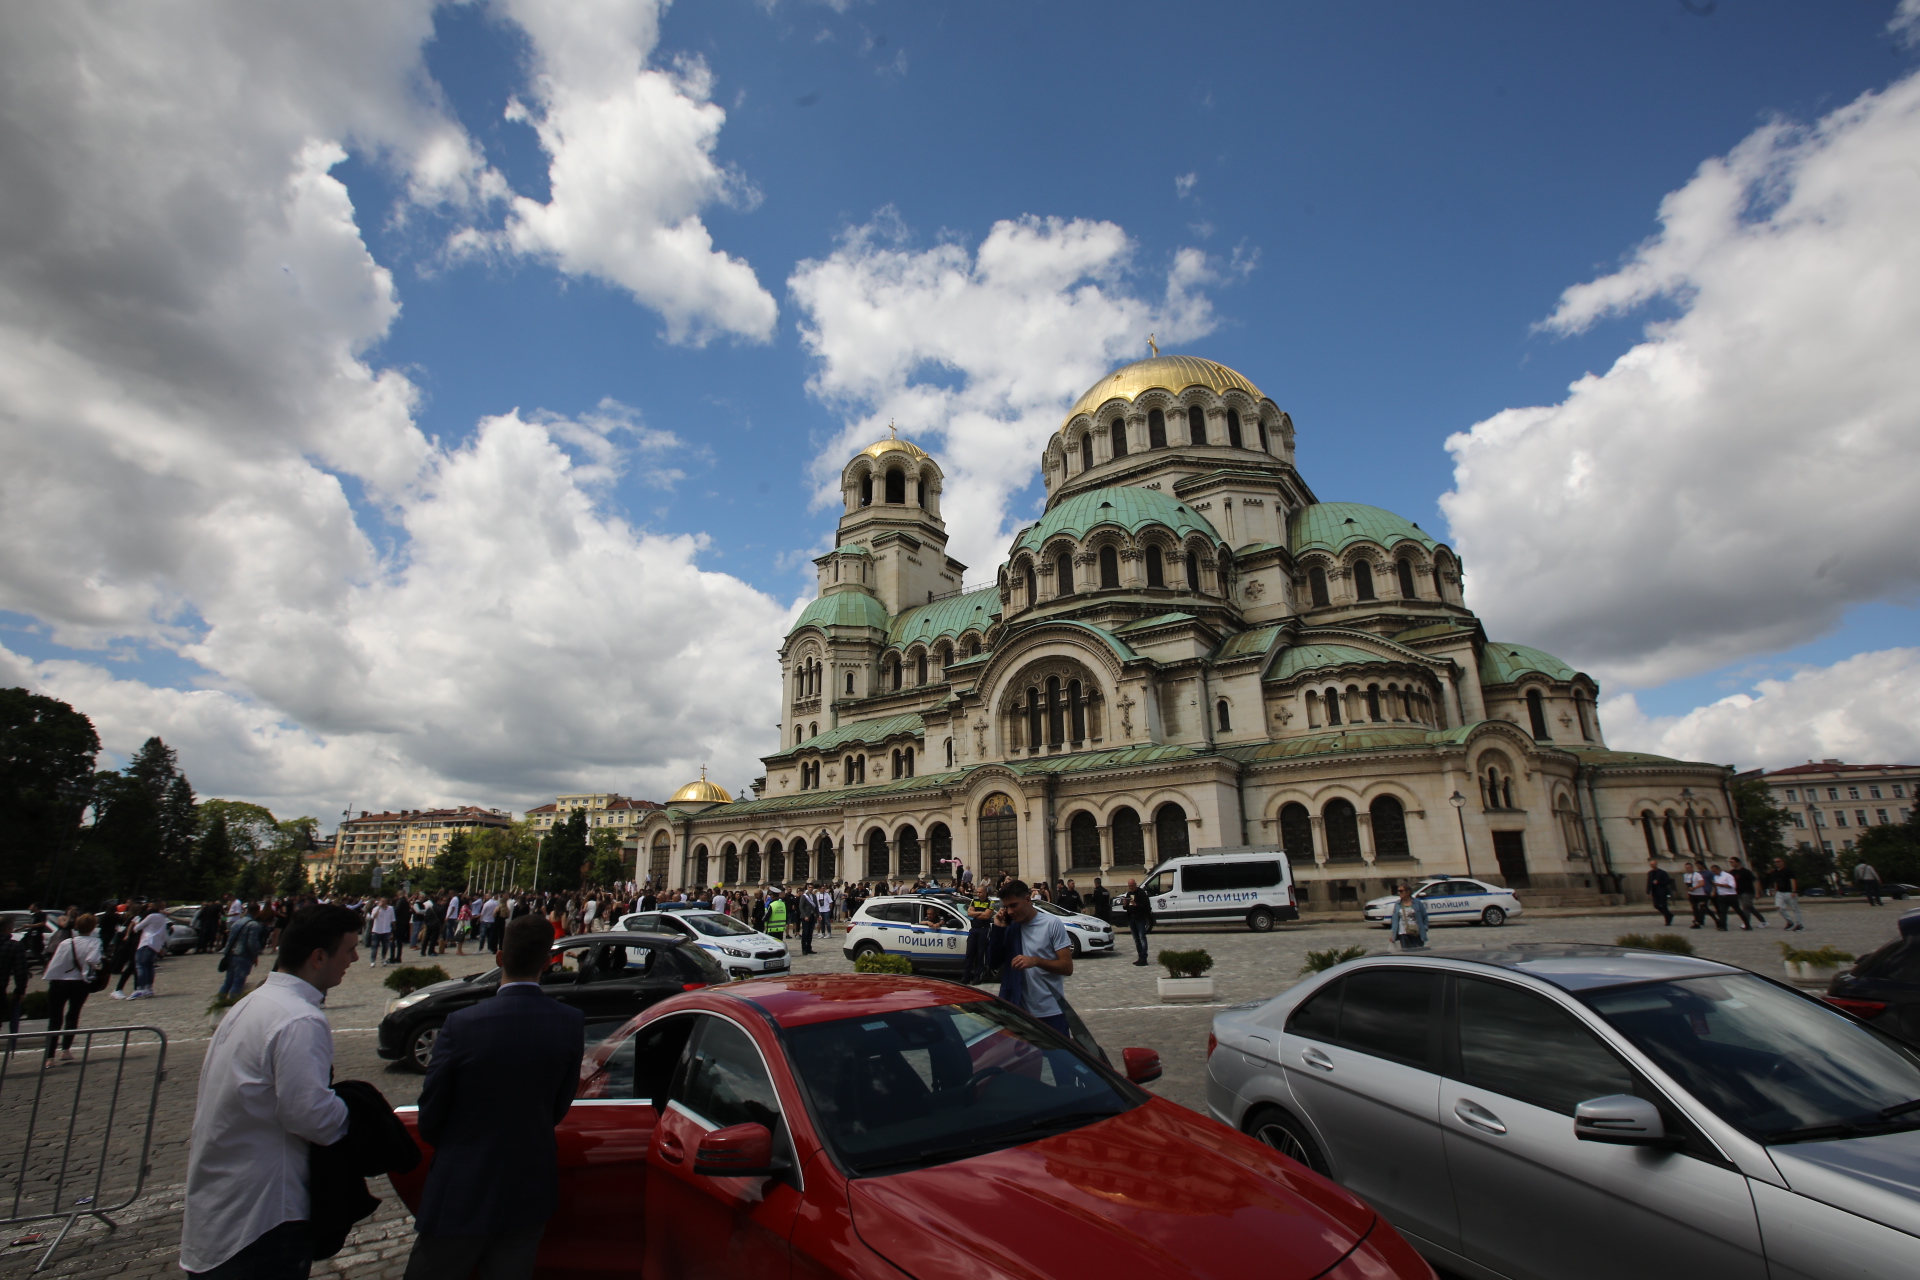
(1133, 569)
(1106, 850)
(1086, 577)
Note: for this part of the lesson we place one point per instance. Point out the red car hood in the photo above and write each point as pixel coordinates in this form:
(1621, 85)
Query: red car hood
(1156, 1191)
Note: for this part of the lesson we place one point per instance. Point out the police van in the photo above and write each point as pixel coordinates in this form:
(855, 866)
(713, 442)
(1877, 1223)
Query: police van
(1243, 883)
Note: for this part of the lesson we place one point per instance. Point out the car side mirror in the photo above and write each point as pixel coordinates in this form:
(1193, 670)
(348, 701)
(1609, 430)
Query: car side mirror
(1623, 1120)
(737, 1151)
(1143, 1065)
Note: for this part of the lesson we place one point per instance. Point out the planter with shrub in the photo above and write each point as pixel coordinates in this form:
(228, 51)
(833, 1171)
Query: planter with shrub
(1814, 967)
(1186, 981)
(1321, 961)
(408, 979)
(881, 962)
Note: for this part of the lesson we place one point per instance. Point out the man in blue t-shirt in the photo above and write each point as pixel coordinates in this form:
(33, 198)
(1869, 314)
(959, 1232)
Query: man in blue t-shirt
(1034, 955)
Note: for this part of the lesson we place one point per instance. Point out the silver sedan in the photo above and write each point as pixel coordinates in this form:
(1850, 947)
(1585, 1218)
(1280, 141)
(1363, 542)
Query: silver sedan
(1566, 1112)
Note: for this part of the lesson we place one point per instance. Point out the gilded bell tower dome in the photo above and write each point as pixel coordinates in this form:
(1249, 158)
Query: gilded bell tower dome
(892, 542)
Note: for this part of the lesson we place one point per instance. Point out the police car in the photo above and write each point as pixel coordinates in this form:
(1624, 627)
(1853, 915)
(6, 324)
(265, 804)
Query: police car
(931, 930)
(742, 950)
(1453, 900)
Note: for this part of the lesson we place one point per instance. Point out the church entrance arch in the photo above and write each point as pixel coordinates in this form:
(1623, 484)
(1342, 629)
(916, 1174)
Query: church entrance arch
(999, 837)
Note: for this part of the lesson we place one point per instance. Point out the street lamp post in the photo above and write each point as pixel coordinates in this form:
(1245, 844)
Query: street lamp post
(1459, 803)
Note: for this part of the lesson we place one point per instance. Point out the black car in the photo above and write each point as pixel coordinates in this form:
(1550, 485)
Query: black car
(1884, 989)
(607, 976)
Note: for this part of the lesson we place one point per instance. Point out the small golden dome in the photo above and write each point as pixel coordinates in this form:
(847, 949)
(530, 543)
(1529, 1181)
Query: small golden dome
(1174, 373)
(895, 445)
(701, 792)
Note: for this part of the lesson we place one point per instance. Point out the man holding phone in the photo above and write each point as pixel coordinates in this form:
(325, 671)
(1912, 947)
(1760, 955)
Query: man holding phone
(1034, 955)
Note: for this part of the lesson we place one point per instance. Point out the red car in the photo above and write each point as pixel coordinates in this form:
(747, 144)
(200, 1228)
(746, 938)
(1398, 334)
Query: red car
(857, 1125)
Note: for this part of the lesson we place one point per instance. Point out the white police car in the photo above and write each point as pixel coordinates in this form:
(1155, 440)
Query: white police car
(931, 930)
(742, 950)
(1453, 900)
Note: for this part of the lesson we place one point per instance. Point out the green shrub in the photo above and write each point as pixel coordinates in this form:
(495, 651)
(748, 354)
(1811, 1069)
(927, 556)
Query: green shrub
(34, 1006)
(881, 962)
(1673, 942)
(1321, 961)
(1829, 956)
(1186, 964)
(409, 978)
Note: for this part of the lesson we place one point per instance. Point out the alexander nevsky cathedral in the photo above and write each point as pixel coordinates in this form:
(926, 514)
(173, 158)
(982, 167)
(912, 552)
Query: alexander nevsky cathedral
(1188, 650)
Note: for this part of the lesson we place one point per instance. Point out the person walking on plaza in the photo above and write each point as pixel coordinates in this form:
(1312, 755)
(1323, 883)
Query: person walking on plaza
(1099, 901)
(1786, 895)
(15, 976)
(1139, 908)
(1407, 922)
(152, 944)
(245, 941)
(1699, 892)
(979, 921)
(1869, 881)
(1660, 889)
(1034, 954)
(381, 931)
(490, 924)
(265, 1099)
(1744, 883)
(69, 975)
(502, 1077)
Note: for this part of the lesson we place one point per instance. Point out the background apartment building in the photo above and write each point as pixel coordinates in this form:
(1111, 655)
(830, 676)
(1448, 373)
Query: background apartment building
(412, 837)
(603, 809)
(1830, 802)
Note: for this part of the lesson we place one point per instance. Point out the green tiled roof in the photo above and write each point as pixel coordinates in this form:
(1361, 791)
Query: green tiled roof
(834, 796)
(1428, 630)
(1254, 548)
(1107, 638)
(844, 609)
(861, 731)
(851, 550)
(1158, 620)
(1131, 509)
(949, 617)
(1312, 657)
(1505, 663)
(1367, 739)
(1083, 761)
(1330, 526)
(1247, 644)
(1602, 758)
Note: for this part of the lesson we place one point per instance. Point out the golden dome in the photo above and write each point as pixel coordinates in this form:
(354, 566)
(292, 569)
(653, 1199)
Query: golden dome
(701, 792)
(895, 445)
(1174, 373)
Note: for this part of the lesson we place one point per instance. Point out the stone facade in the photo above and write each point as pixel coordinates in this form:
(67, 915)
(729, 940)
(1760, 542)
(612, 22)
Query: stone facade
(1187, 650)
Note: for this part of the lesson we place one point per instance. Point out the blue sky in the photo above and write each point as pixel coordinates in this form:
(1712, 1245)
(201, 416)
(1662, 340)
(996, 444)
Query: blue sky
(1390, 200)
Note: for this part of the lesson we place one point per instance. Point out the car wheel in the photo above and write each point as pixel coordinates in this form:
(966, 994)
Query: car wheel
(419, 1051)
(866, 949)
(1493, 916)
(1288, 1136)
(1079, 952)
(1260, 920)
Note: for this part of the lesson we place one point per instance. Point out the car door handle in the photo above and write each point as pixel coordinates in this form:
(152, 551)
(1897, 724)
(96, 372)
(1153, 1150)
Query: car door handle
(1472, 1113)
(672, 1150)
(1316, 1059)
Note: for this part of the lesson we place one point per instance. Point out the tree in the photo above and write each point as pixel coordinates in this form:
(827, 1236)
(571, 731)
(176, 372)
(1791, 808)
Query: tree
(449, 870)
(213, 863)
(502, 856)
(1891, 849)
(47, 752)
(1761, 821)
(607, 863)
(143, 821)
(563, 853)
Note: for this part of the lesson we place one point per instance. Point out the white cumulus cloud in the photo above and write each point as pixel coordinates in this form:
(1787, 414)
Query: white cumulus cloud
(975, 354)
(1744, 474)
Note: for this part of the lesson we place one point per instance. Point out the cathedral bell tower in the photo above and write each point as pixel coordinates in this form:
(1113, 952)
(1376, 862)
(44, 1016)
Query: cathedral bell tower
(892, 543)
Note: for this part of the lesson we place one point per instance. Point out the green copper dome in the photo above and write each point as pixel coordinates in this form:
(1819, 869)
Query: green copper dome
(1330, 526)
(844, 609)
(1131, 509)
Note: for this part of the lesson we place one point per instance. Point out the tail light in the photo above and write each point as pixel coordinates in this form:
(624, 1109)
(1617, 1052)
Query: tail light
(693, 986)
(1858, 1008)
(1213, 1042)
(1291, 900)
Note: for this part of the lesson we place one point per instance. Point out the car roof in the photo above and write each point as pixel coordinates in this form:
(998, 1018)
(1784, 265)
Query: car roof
(799, 1000)
(628, 936)
(1585, 967)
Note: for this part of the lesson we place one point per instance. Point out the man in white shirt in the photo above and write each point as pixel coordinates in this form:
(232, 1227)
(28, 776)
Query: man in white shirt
(265, 1097)
(489, 914)
(382, 931)
(152, 931)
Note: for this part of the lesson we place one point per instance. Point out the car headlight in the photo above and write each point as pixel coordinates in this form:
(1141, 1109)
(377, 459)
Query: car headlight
(738, 955)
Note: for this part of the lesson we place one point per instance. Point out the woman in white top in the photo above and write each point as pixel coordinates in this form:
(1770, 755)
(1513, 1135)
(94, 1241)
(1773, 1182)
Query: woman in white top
(69, 973)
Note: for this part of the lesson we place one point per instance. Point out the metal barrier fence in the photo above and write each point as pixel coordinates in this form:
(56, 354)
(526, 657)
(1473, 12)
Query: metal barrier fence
(69, 1129)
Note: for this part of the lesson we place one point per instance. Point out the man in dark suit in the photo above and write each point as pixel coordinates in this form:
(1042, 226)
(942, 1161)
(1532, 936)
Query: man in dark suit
(503, 1075)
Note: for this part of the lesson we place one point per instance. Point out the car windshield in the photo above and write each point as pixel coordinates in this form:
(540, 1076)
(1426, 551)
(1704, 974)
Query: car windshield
(927, 1086)
(1775, 1064)
(718, 926)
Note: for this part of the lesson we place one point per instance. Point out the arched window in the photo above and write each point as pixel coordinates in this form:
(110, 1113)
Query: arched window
(906, 758)
(907, 841)
(729, 864)
(1033, 589)
(1646, 829)
(894, 663)
(949, 753)
(1233, 429)
(849, 684)
(1196, 425)
(1170, 831)
(1389, 828)
(1580, 710)
(1086, 452)
(877, 854)
(1193, 571)
(1063, 574)
(1034, 729)
(866, 489)
(920, 493)
(1056, 728)
(1129, 845)
(1076, 712)
(1363, 580)
(1404, 567)
(973, 646)
(1317, 586)
(776, 863)
(1156, 429)
(1343, 831)
(753, 862)
(1221, 715)
(1333, 706)
(1373, 703)
(823, 859)
(1438, 594)
(1296, 833)
(1156, 570)
(999, 838)
(1537, 715)
(1261, 427)
(1119, 434)
(658, 857)
(1109, 567)
(920, 669)
(1673, 849)
(896, 485)
(1083, 842)
(896, 765)
(702, 865)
